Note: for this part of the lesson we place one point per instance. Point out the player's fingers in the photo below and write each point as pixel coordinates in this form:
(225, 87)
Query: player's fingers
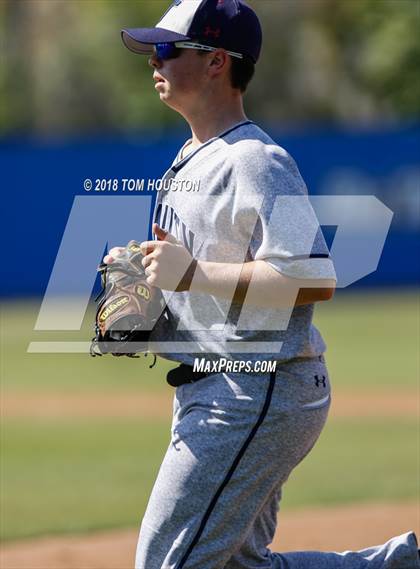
(163, 235)
(151, 280)
(108, 259)
(151, 268)
(146, 261)
(115, 251)
(148, 247)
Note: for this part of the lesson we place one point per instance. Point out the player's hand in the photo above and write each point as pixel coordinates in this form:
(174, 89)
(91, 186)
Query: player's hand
(113, 254)
(165, 261)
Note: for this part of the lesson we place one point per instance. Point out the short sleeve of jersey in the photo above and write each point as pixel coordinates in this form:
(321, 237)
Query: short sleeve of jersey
(286, 233)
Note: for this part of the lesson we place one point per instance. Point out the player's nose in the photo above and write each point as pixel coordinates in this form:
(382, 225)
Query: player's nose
(154, 61)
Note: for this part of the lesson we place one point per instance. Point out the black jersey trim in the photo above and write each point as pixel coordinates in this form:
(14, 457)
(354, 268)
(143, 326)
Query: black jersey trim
(234, 128)
(177, 167)
(310, 256)
(231, 471)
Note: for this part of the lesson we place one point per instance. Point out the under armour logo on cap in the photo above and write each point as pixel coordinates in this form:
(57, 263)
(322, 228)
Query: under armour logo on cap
(214, 33)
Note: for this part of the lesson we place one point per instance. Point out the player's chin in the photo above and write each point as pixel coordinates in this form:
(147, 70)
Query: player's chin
(168, 99)
(161, 87)
(164, 94)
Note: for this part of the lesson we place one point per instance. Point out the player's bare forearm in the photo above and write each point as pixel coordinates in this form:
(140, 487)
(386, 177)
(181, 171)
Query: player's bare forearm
(258, 284)
(168, 264)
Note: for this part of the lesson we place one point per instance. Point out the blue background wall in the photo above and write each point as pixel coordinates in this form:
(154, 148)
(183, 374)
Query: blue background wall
(40, 180)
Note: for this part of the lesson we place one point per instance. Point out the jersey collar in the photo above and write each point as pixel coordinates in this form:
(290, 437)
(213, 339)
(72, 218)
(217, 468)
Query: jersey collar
(179, 165)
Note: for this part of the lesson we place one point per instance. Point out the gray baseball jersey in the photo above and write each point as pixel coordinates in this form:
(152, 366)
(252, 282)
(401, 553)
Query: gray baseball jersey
(236, 437)
(240, 197)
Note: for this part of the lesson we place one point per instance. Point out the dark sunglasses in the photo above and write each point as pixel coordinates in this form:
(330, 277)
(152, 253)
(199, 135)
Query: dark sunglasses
(173, 50)
(166, 51)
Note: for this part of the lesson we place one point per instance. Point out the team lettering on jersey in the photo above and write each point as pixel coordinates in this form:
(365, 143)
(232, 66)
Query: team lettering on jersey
(168, 220)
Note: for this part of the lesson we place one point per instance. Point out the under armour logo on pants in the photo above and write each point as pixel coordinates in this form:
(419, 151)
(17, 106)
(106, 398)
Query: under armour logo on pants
(320, 381)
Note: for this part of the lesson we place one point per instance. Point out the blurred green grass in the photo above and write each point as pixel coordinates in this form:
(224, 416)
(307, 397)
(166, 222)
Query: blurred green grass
(77, 476)
(80, 476)
(372, 341)
(359, 461)
(66, 476)
(22, 370)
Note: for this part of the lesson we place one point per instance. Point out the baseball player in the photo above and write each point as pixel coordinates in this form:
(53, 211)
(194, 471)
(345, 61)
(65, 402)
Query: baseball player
(241, 263)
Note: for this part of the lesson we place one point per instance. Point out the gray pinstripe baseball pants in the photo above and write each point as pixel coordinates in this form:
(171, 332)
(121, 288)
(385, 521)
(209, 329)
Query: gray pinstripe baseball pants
(235, 440)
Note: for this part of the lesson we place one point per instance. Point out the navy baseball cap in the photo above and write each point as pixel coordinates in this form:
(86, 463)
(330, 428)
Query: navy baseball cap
(229, 24)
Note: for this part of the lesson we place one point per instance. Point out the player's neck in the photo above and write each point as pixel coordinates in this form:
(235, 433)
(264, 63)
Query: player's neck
(214, 119)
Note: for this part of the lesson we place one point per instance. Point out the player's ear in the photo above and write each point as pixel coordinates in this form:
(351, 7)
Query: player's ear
(218, 61)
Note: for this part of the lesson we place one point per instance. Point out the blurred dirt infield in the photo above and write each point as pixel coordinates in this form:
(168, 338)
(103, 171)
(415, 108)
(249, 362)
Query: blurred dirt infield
(334, 529)
(147, 405)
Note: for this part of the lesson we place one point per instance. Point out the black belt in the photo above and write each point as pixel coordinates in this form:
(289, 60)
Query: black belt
(184, 374)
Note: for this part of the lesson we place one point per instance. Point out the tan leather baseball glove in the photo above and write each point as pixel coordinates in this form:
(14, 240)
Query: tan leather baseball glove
(128, 307)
